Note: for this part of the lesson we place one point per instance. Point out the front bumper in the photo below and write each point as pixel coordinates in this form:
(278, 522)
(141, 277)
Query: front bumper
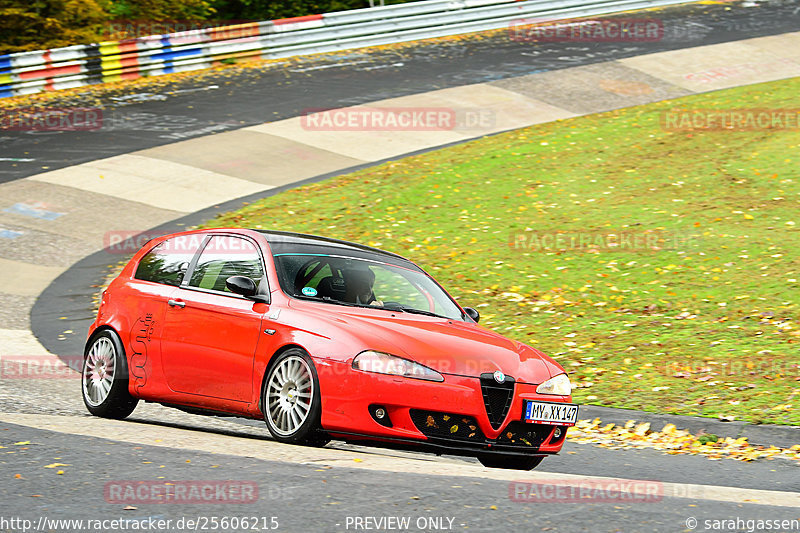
(450, 416)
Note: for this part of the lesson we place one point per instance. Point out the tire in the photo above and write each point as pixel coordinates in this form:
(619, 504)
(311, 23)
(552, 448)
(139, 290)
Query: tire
(511, 462)
(104, 377)
(291, 401)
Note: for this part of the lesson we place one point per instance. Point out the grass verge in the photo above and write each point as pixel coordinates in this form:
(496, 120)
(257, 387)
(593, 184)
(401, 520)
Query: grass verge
(694, 312)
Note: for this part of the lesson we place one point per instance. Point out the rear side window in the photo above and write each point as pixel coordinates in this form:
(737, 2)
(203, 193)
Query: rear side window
(167, 263)
(223, 257)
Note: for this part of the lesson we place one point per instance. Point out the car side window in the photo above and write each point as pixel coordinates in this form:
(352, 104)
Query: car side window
(312, 274)
(225, 256)
(168, 261)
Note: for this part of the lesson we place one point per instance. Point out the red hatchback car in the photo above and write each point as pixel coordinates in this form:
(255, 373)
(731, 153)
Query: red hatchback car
(323, 339)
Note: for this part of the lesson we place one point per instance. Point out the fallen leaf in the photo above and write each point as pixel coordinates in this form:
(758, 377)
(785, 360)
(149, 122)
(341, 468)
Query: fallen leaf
(54, 465)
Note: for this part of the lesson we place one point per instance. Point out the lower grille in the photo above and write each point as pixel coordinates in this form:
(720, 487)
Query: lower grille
(524, 435)
(450, 429)
(497, 398)
(433, 424)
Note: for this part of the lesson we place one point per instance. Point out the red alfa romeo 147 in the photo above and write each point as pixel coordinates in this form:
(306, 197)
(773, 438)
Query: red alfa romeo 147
(323, 339)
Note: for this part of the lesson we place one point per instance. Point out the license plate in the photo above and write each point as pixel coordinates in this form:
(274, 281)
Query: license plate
(553, 413)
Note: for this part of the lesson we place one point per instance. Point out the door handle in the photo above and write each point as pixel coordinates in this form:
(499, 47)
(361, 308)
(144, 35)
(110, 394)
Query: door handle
(176, 303)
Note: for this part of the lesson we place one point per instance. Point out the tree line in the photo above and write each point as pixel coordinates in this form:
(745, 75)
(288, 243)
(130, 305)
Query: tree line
(38, 24)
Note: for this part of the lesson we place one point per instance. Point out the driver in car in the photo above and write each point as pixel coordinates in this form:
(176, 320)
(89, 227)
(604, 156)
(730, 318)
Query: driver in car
(360, 280)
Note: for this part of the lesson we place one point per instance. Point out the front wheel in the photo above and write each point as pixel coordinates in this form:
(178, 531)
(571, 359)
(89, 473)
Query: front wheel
(291, 400)
(511, 462)
(104, 379)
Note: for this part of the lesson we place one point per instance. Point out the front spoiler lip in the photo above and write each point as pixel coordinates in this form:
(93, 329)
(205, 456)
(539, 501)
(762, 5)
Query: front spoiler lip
(440, 446)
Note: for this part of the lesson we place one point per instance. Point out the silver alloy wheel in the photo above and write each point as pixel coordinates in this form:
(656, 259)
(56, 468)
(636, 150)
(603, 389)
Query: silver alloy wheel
(98, 371)
(290, 392)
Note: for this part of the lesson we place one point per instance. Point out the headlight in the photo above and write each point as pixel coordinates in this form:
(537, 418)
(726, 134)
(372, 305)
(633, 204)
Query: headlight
(384, 363)
(558, 385)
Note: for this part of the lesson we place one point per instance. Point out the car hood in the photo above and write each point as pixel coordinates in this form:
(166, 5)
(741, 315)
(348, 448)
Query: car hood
(447, 346)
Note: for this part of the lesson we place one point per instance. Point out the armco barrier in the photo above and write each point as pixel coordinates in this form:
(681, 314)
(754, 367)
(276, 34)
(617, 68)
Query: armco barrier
(75, 66)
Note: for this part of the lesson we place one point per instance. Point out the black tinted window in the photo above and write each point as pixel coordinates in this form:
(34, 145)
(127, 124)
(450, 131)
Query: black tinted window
(223, 257)
(167, 262)
(350, 280)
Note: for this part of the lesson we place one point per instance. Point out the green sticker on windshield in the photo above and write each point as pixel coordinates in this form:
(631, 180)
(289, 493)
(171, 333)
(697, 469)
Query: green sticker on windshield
(309, 291)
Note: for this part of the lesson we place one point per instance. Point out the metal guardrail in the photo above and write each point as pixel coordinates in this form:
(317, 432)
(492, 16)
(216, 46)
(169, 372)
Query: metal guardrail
(76, 66)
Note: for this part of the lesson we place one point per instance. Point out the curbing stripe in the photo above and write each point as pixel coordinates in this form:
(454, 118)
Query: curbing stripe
(155, 182)
(26, 279)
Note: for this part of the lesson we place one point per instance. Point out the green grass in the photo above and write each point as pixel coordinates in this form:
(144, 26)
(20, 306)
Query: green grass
(706, 325)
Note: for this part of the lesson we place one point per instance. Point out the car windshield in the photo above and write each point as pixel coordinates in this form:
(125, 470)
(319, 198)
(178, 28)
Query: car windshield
(340, 278)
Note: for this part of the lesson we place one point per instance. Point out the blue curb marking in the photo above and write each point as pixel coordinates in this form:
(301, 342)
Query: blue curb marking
(32, 211)
(9, 234)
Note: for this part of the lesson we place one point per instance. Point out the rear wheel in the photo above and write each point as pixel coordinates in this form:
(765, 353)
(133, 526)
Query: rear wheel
(512, 462)
(104, 379)
(291, 399)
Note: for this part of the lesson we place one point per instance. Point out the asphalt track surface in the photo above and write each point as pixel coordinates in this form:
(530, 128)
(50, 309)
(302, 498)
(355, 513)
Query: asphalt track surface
(240, 97)
(313, 495)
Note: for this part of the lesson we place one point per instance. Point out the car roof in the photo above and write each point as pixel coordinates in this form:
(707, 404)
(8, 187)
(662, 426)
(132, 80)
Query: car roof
(286, 237)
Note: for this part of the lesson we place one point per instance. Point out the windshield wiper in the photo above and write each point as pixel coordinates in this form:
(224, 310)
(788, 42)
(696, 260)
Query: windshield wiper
(413, 310)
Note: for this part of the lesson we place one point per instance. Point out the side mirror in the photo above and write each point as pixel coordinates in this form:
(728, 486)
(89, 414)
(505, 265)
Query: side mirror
(241, 285)
(472, 313)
